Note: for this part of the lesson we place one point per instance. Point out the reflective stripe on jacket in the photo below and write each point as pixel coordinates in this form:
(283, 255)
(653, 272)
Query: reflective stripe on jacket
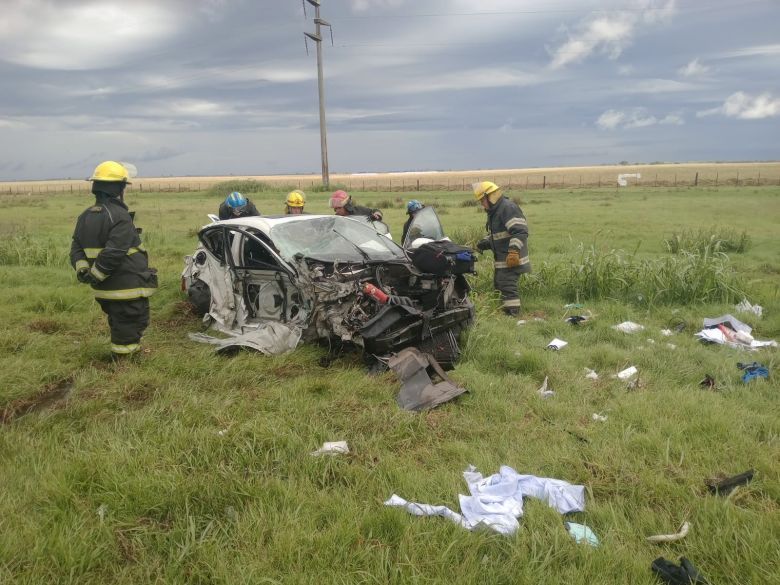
(106, 241)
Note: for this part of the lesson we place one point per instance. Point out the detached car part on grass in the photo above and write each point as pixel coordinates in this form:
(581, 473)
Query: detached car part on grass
(329, 278)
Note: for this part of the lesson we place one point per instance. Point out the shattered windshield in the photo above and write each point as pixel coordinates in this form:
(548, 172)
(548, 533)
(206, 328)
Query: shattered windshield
(333, 239)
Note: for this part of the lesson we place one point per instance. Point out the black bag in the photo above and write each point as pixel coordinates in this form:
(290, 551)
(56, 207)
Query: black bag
(442, 257)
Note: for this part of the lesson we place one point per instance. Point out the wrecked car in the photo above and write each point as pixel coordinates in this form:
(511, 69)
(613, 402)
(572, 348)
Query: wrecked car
(330, 278)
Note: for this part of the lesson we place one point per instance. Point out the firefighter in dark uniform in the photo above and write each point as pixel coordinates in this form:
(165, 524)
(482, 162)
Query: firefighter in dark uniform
(236, 205)
(342, 204)
(107, 254)
(508, 239)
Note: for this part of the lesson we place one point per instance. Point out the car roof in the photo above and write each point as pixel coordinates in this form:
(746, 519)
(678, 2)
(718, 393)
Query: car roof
(266, 222)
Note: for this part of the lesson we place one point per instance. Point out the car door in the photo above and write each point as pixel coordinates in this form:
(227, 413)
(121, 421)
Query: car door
(265, 281)
(425, 224)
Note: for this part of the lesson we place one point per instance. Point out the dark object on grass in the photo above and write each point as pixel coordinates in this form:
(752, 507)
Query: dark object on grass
(753, 371)
(727, 485)
(708, 382)
(576, 319)
(685, 574)
(418, 392)
(679, 328)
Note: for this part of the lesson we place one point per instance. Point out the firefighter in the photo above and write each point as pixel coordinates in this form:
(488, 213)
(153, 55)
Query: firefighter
(508, 239)
(107, 254)
(342, 204)
(295, 202)
(236, 205)
(412, 207)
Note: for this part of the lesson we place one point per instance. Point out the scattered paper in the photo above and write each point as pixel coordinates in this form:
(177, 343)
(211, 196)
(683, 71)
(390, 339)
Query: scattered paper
(746, 307)
(627, 373)
(544, 391)
(332, 448)
(591, 374)
(557, 344)
(522, 322)
(581, 533)
(628, 327)
(599, 417)
(667, 332)
(101, 511)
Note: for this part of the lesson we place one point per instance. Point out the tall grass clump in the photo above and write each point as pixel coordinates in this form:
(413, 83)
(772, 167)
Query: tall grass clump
(243, 186)
(22, 249)
(717, 239)
(687, 278)
(320, 188)
(467, 235)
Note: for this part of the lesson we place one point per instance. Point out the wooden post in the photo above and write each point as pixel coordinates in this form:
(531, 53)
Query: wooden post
(391, 185)
(463, 185)
(655, 184)
(580, 181)
(758, 181)
(716, 179)
(696, 180)
(418, 183)
(563, 180)
(526, 182)
(544, 181)
(599, 181)
(675, 179)
(737, 178)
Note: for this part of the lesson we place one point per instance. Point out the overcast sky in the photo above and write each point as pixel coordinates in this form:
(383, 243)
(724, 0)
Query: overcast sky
(207, 87)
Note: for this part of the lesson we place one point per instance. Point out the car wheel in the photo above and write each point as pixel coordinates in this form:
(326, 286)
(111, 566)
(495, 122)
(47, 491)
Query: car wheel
(199, 296)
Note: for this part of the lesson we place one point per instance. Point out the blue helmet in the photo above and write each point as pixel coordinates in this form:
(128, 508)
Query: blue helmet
(235, 200)
(413, 206)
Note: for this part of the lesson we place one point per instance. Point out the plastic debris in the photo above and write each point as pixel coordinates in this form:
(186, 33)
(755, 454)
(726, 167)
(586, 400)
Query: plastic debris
(728, 330)
(726, 485)
(522, 322)
(753, 371)
(581, 533)
(599, 417)
(496, 502)
(576, 319)
(418, 392)
(591, 374)
(573, 306)
(708, 382)
(557, 344)
(682, 533)
(332, 448)
(746, 307)
(101, 511)
(628, 327)
(544, 391)
(685, 574)
(627, 373)
(635, 384)
(667, 332)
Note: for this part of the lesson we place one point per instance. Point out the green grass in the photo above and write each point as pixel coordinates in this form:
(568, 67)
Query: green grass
(121, 474)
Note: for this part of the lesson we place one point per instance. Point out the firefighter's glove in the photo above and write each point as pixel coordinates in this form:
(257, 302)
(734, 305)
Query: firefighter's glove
(513, 259)
(84, 276)
(483, 245)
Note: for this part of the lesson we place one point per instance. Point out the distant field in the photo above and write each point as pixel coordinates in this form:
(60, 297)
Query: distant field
(655, 175)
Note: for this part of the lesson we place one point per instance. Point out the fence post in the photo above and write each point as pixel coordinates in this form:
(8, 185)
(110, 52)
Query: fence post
(448, 184)
(391, 185)
(675, 179)
(463, 184)
(737, 179)
(758, 181)
(716, 178)
(599, 181)
(544, 181)
(696, 180)
(526, 182)
(563, 181)
(418, 183)
(655, 183)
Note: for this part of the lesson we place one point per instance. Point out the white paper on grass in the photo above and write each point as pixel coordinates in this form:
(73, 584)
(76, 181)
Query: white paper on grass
(717, 336)
(628, 327)
(746, 307)
(544, 392)
(557, 344)
(591, 374)
(627, 373)
(667, 332)
(332, 448)
(496, 502)
(599, 417)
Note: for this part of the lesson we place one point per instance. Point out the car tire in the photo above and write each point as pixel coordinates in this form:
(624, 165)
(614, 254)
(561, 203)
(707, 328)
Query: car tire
(199, 296)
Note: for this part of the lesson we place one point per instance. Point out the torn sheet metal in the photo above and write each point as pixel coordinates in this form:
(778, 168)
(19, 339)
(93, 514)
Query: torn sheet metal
(271, 338)
(418, 392)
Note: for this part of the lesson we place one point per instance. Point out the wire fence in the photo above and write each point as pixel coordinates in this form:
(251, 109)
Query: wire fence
(385, 183)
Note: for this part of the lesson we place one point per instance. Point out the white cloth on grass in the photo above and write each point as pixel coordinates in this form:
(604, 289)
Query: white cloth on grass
(496, 501)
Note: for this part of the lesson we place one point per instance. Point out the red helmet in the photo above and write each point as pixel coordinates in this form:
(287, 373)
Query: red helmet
(339, 199)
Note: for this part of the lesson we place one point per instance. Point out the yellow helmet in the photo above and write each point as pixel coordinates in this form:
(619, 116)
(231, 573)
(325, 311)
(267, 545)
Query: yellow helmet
(296, 198)
(110, 171)
(486, 188)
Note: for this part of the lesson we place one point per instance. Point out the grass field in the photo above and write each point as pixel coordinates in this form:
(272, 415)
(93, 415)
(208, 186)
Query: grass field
(191, 468)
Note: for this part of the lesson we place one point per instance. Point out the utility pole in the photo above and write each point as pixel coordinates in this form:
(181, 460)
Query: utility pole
(317, 38)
